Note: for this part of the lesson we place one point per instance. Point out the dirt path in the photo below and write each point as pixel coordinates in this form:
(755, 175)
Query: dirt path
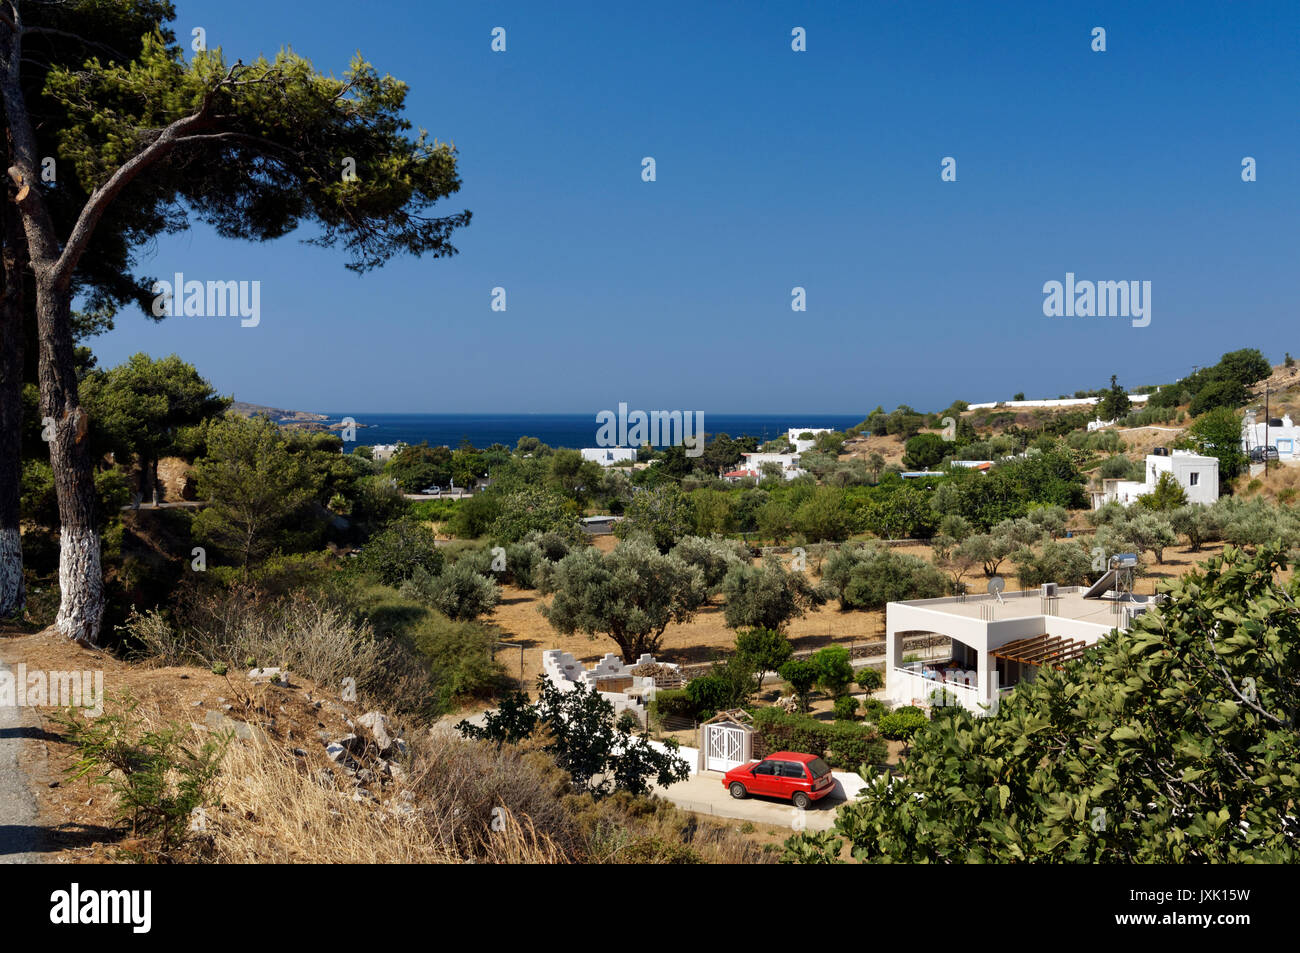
(19, 829)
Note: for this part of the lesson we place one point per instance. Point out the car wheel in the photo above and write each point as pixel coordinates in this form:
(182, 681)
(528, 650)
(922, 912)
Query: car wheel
(801, 800)
(738, 790)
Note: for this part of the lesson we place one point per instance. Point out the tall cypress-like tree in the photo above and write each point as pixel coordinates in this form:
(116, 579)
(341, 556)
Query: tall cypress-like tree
(139, 135)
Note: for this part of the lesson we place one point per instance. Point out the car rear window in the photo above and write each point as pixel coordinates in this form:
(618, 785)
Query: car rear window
(819, 768)
(793, 769)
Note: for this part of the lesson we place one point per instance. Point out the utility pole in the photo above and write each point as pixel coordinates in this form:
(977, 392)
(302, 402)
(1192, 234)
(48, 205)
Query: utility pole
(1266, 431)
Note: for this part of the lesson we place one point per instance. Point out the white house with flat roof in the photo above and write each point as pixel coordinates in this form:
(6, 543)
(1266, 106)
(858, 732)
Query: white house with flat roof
(788, 462)
(1000, 640)
(1197, 475)
(800, 445)
(1280, 432)
(608, 456)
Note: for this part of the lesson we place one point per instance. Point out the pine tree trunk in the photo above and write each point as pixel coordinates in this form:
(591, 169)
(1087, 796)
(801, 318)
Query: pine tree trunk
(53, 264)
(13, 593)
(81, 582)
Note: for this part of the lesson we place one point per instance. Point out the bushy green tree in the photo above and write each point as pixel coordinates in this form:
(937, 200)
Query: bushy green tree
(396, 553)
(1217, 433)
(1115, 404)
(662, 513)
(532, 509)
(713, 557)
(1199, 524)
(417, 467)
(764, 650)
(822, 516)
(834, 669)
(767, 596)
(1167, 495)
(255, 487)
(629, 595)
(869, 577)
(925, 451)
(802, 674)
(727, 685)
(142, 405)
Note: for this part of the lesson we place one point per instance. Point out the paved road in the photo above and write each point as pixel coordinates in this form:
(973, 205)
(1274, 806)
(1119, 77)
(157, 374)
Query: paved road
(703, 793)
(18, 827)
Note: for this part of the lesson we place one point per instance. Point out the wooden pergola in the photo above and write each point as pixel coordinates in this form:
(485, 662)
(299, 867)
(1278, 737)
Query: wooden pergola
(1041, 650)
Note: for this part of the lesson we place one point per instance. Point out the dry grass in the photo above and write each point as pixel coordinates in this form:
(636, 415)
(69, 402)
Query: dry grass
(274, 810)
(1280, 485)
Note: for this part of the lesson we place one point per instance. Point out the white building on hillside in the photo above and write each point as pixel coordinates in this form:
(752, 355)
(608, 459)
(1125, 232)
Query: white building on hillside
(608, 456)
(1057, 402)
(800, 445)
(1281, 432)
(788, 462)
(999, 640)
(1197, 475)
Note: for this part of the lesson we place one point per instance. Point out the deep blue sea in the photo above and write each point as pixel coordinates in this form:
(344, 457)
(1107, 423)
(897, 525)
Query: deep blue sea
(559, 430)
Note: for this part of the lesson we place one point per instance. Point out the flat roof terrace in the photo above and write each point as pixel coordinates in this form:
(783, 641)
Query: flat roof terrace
(1069, 603)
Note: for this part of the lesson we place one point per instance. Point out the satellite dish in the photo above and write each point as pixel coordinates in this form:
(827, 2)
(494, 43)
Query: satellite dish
(997, 584)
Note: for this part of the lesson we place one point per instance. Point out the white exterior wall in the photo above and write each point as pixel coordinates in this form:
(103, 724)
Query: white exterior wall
(1183, 466)
(1066, 402)
(565, 672)
(788, 462)
(608, 456)
(1286, 438)
(801, 446)
(981, 636)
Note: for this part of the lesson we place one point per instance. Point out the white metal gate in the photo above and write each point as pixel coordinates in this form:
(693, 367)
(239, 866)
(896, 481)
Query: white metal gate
(724, 747)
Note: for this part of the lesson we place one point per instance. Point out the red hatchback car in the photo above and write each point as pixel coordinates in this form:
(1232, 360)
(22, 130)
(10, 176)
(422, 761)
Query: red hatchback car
(788, 775)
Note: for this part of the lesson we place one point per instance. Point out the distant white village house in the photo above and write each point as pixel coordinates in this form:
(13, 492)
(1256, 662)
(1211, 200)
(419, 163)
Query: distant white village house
(609, 456)
(1279, 432)
(801, 445)
(788, 462)
(1197, 475)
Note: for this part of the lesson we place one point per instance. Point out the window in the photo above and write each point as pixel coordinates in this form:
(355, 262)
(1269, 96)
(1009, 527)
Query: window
(793, 769)
(819, 768)
(767, 767)
(1193, 479)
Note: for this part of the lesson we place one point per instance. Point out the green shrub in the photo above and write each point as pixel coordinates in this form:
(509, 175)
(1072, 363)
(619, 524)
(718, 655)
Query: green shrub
(852, 744)
(157, 779)
(460, 659)
(902, 724)
(844, 745)
(672, 703)
(846, 708)
(460, 593)
(523, 563)
(802, 675)
(728, 685)
(873, 709)
(395, 554)
(435, 511)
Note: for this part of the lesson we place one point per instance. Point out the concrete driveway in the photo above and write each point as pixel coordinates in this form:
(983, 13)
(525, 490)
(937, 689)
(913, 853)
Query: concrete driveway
(703, 793)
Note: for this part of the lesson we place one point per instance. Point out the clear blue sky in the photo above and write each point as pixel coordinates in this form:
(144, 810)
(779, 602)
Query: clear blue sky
(776, 169)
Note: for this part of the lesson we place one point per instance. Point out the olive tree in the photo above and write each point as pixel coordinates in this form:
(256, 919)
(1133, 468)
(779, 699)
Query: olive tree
(629, 595)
